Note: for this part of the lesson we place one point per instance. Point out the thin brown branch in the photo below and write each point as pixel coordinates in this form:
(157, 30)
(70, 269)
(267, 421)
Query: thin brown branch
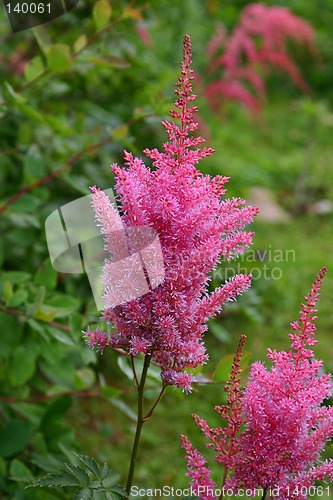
(54, 174)
(16, 312)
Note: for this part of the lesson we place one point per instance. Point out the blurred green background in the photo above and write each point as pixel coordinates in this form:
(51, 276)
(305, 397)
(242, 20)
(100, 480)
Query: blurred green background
(74, 94)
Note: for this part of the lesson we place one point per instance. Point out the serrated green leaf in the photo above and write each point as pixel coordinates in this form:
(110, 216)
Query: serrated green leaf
(62, 479)
(104, 471)
(118, 492)
(101, 13)
(59, 58)
(85, 494)
(34, 68)
(79, 473)
(90, 463)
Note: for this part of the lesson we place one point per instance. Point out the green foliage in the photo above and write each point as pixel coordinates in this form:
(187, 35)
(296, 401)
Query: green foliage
(75, 93)
(87, 477)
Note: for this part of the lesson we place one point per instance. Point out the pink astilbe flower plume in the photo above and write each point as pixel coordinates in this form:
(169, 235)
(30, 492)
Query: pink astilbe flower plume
(286, 424)
(196, 228)
(258, 45)
(277, 428)
(224, 440)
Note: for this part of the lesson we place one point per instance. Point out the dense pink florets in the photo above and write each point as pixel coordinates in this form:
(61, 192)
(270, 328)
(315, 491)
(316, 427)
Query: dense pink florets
(196, 228)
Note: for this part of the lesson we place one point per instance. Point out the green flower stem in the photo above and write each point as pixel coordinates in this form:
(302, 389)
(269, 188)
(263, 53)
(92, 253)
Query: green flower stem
(149, 414)
(139, 424)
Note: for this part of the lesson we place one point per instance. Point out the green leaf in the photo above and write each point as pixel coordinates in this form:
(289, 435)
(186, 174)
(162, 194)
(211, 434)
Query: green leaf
(22, 366)
(62, 478)
(110, 392)
(79, 473)
(31, 112)
(85, 494)
(33, 164)
(12, 96)
(75, 325)
(7, 291)
(34, 68)
(101, 13)
(60, 335)
(46, 275)
(57, 409)
(18, 298)
(15, 277)
(117, 492)
(45, 313)
(219, 332)
(11, 333)
(90, 463)
(125, 367)
(104, 471)
(223, 368)
(84, 378)
(42, 36)
(110, 61)
(14, 437)
(120, 132)
(79, 43)
(58, 58)
(19, 472)
(65, 304)
(124, 408)
(27, 203)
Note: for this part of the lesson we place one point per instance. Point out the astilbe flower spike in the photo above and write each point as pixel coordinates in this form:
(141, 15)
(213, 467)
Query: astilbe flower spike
(224, 440)
(196, 228)
(259, 42)
(286, 424)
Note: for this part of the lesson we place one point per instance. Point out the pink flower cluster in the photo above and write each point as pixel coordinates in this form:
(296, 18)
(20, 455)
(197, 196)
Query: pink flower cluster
(196, 228)
(258, 42)
(286, 423)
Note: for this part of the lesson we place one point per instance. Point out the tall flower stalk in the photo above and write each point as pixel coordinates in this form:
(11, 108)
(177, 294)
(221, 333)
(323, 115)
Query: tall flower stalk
(196, 228)
(286, 424)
